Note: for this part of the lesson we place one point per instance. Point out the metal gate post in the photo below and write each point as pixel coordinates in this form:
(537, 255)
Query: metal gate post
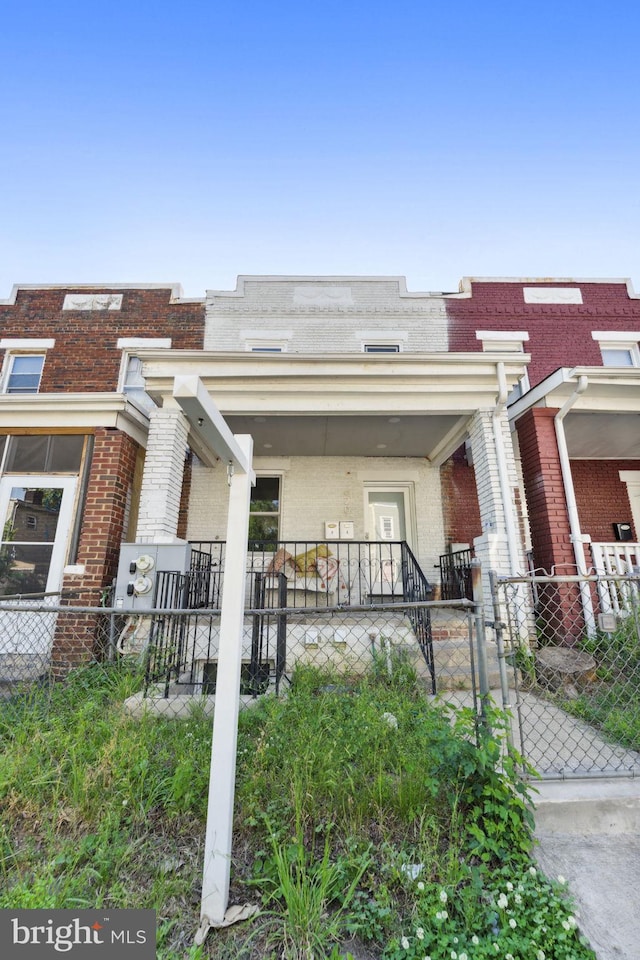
(498, 627)
(481, 645)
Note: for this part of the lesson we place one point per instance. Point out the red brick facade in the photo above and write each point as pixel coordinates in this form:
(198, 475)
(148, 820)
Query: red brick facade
(559, 334)
(460, 508)
(602, 497)
(85, 358)
(544, 490)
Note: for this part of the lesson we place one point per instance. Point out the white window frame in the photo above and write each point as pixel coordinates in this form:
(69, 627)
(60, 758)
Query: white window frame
(381, 346)
(8, 372)
(129, 347)
(22, 347)
(618, 340)
(502, 341)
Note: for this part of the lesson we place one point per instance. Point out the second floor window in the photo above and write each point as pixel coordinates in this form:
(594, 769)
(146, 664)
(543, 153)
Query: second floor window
(25, 371)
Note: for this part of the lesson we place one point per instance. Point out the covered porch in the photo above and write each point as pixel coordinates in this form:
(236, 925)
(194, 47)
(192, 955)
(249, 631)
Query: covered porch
(579, 441)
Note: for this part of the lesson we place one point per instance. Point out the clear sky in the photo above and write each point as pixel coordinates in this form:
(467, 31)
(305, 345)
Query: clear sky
(193, 141)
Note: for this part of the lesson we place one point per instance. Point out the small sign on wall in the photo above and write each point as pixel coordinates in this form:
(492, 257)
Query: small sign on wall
(347, 529)
(331, 530)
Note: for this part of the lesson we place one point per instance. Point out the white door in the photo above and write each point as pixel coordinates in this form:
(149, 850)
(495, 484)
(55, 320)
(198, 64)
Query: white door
(388, 520)
(36, 515)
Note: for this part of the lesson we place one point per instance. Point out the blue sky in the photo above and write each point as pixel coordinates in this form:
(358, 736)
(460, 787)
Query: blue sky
(191, 142)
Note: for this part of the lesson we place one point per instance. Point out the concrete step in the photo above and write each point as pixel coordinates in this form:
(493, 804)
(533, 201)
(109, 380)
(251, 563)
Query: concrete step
(608, 805)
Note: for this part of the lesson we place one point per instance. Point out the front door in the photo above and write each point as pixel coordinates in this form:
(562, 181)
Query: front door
(387, 522)
(36, 517)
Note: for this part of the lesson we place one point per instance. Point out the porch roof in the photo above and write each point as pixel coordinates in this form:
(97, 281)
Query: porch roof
(604, 421)
(337, 405)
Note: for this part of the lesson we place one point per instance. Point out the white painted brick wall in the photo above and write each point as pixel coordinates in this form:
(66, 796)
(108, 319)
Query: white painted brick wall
(492, 548)
(162, 478)
(324, 315)
(315, 489)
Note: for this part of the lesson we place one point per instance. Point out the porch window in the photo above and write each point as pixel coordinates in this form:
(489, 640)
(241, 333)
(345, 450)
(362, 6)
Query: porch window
(264, 517)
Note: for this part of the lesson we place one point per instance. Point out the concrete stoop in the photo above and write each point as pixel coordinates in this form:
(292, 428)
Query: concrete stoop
(588, 832)
(590, 806)
(452, 660)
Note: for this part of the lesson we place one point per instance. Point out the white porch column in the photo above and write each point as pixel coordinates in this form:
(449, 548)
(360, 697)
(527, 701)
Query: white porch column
(493, 547)
(162, 477)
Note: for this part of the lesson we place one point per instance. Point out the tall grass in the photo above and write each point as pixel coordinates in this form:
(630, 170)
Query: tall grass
(348, 793)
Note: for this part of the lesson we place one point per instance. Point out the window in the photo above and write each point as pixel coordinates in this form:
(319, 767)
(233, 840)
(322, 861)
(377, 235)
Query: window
(261, 345)
(24, 372)
(264, 517)
(133, 379)
(618, 348)
(39, 453)
(381, 348)
(619, 356)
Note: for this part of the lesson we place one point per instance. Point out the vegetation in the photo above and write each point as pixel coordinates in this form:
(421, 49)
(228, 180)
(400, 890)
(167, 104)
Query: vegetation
(612, 703)
(372, 823)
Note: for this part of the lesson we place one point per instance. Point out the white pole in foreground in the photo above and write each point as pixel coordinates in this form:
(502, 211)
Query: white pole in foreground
(218, 839)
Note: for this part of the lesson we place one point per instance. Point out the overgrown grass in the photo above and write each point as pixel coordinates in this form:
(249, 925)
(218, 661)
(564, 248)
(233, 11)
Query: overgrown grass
(612, 703)
(369, 820)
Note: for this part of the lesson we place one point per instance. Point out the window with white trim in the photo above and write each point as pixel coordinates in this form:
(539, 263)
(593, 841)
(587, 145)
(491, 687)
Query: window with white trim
(618, 348)
(264, 516)
(381, 347)
(23, 372)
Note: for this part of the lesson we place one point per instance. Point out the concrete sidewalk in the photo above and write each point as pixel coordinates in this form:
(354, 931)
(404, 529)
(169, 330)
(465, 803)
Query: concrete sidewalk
(589, 833)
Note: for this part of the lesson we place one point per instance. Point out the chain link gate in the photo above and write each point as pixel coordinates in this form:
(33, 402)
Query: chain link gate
(572, 653)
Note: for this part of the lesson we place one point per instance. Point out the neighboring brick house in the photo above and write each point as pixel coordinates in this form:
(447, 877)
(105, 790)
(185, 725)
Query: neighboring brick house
(580, 467)
(73, 425)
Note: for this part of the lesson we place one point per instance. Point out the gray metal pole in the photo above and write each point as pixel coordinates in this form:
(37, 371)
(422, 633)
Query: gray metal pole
(481, 643)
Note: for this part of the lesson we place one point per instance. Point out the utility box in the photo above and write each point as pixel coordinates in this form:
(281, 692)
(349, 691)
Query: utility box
(138, 570)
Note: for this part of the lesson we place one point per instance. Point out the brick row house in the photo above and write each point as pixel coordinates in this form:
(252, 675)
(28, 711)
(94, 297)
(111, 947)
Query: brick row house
(499, 418)
(73, 431)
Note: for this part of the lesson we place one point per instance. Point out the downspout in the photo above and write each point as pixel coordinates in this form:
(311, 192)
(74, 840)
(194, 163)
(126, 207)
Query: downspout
(513, 546)
(570, 498)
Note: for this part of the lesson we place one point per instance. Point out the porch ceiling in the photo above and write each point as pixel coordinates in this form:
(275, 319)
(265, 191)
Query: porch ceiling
(336, 436)
(604, 421)
(603, 436)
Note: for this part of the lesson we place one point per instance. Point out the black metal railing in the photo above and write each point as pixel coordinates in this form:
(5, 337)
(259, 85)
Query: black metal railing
(416, 587)
(455, 575)
(280, 575)
(318, 572)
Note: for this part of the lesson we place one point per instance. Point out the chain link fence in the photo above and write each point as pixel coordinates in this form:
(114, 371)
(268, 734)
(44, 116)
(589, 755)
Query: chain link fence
(433, 643)
(574, 651)
(562, 653)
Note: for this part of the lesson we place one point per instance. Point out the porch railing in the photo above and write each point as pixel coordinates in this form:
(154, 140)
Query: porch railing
(289, 574)
(455, 575)
(318, 572)
(617, 559)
